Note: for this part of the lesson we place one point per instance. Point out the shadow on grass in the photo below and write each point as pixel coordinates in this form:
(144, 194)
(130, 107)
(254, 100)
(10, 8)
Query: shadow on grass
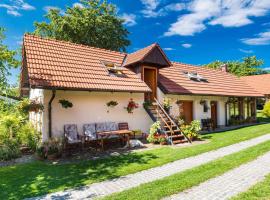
(38, 178)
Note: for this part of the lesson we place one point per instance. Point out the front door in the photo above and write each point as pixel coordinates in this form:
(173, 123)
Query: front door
(186, 111)
(214, 113)
(150, 78)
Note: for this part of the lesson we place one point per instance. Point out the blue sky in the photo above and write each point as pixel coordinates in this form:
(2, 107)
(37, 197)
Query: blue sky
(194, 31)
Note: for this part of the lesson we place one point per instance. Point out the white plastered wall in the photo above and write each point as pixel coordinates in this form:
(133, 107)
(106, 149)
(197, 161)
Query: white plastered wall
(198, 112)
(90, 107)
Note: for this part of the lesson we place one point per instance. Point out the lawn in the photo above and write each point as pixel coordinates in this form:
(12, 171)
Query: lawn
(259, 191)
(37, 178)
(192, 177)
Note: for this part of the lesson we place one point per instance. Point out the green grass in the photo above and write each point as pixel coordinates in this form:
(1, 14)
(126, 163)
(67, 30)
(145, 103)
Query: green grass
(259, 191)
(261, 117)
(192, 177)
(37, 178)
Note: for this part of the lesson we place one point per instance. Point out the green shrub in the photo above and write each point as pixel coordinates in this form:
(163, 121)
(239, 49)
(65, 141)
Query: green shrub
(192, 130)
(266, 109)
(28, 136)
(153, 133)
(9, 150)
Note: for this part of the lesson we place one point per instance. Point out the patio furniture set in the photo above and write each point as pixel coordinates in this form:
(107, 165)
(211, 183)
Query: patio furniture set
(96, 134)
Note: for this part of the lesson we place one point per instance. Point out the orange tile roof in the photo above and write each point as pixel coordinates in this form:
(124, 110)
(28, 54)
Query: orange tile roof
(260, 83)
(173, 80)
(64, 65)
(139, 55)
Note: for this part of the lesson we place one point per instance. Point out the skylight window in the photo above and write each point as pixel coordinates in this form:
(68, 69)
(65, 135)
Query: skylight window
(113, 69)
(195, 76)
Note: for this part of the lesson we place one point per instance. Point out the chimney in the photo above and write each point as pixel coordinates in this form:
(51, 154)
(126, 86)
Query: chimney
(224, 68)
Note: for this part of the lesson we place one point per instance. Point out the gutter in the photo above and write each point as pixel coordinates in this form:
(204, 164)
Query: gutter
(50, 113)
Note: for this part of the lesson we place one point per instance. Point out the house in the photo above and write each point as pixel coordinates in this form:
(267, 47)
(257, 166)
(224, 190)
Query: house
(91, 77)
(261, 83)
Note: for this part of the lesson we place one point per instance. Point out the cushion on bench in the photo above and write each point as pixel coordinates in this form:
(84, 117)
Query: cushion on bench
(90, 131)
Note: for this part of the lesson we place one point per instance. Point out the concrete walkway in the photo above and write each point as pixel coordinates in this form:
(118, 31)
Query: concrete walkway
(229, 184)
(132, 180)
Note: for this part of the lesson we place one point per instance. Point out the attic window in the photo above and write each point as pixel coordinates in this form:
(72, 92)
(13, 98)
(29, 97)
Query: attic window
(195, 76)
(113, 69)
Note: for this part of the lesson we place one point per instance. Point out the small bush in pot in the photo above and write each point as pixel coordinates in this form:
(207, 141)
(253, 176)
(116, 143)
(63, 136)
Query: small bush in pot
(192, 130)
(51, 150)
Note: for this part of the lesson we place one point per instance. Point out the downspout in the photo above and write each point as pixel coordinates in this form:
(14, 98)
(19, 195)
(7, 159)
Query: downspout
(226, 114)
(50, 113)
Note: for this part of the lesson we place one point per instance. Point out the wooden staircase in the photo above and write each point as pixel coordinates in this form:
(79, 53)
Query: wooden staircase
(168, 126)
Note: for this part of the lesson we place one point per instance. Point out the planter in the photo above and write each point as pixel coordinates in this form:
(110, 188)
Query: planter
(163, 143)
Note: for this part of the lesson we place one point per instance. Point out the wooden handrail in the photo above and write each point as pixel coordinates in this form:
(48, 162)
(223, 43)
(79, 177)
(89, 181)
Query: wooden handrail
(172, 121)
(165, 122)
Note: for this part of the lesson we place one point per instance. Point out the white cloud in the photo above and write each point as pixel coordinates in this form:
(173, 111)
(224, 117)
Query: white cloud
(15, 6)
(260, 39)
(168, 49)
(186, 45)
(130, 19)
(246, 51)
(48, 8)
(78, 5)
(151, 8)
(227, 13)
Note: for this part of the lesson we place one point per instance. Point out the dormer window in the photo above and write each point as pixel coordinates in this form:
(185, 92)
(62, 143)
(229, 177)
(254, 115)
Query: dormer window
(113, 69)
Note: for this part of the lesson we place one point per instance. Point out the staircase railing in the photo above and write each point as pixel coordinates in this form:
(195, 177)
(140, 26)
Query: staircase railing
(171, 120)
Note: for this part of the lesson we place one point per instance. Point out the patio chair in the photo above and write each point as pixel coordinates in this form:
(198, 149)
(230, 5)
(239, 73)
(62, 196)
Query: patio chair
(90, 133)
(72, 138)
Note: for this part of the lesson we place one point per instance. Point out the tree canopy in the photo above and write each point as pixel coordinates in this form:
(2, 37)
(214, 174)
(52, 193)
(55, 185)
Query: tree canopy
(7, 61)
(248, 66)
(94, 23)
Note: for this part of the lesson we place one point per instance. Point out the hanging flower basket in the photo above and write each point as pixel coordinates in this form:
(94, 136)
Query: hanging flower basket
(132, 105)
(65, 103)
(111, 104)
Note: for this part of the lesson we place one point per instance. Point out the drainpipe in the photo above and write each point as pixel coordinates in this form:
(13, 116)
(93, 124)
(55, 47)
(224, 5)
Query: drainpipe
(50, 113)
(226, 114)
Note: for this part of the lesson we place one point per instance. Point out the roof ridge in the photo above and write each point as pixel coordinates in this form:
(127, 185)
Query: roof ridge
(71, 43)
(151, 45)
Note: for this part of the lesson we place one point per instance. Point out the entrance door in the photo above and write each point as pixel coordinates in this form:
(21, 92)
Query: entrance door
(150, 78)
(214, 113)
(186, 111)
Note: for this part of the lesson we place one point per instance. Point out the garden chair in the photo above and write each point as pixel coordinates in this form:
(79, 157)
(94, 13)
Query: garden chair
(90, 133)
(72, 138)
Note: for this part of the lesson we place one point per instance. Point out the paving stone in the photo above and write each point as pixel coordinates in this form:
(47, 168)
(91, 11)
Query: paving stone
(133, 180)
(229, 184)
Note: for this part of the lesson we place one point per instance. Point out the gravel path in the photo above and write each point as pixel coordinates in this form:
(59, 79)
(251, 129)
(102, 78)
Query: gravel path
(132, 180)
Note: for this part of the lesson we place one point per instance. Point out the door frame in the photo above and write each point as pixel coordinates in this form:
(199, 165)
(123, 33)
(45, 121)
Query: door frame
(156, 78)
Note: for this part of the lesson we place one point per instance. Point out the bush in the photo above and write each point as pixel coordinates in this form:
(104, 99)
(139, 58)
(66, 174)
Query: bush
(192, 130)
(9, 150)
(152, 137)
(266, 109)
(28, 136)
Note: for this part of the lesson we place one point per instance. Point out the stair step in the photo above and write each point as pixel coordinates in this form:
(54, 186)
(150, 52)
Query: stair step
(179, 141)
(176, 136)
(169, 126)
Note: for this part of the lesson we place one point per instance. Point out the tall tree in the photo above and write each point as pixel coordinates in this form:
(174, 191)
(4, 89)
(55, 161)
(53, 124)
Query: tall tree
(7, 61)
(248, 66)
(95, 23)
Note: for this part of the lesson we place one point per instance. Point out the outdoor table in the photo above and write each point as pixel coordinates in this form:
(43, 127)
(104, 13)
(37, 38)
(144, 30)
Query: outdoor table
(123, 134)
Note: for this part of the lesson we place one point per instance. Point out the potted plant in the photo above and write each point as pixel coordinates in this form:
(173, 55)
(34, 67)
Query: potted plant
(153, 133)
(27, 105)
(111, 104)
(167, 104)
(192, 130)
(131, 106)
(162, 139)
(65, 103)
(51, 150)
(147, 104)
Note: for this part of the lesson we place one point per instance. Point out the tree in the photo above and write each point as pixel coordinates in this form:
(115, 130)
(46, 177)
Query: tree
(7, 61)
(95, 23)
(249, 66)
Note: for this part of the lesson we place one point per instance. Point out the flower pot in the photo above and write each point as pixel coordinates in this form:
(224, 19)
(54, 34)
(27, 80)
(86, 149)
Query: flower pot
(163, 143)
(53, 156)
